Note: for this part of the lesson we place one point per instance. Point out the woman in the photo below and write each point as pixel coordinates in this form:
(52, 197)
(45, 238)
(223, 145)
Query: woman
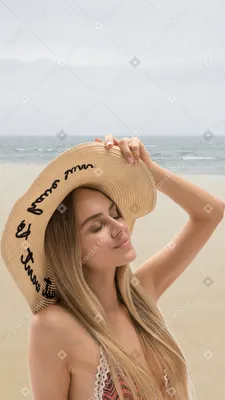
(125, 351)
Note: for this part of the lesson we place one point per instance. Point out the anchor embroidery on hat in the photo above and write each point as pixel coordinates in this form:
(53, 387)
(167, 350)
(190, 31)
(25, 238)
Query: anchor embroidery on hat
(49, 294)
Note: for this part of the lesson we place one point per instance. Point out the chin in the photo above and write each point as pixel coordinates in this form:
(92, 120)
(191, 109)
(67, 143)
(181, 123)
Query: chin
(130, 255)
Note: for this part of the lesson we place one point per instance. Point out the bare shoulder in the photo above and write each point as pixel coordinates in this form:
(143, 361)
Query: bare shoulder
(49, 356)
(51, 316)
(56, 327)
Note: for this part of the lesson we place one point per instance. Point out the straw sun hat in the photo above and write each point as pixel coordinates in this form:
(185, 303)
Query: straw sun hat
(131, 187)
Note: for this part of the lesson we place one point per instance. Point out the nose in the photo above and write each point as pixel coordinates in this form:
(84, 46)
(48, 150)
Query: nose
(117, 228)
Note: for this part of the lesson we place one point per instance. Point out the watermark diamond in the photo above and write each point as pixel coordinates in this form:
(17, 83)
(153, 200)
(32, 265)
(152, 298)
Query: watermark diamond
(26, 98)
(208, 208)
(62, 134)
(135, 353)
(208, 135)
(171, 391)
(208, 354)
(208, 281)
(135, 133)
(98, 171)
(98, 25)
(135, 62)
(171, 245)
(208, 61)
(62, 208)
(98, 318)
(62, 62)
(62, 354)
(25, 391)
(171, 98)
(135, 281)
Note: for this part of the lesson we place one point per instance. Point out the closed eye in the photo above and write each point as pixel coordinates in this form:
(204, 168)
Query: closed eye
(98, 229)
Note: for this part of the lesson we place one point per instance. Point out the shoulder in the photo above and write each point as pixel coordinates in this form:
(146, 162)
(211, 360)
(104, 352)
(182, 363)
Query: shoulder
(51, 317)
(49, 358)
(49, 324)
(58, 326)
(54, 323)
(50, 332)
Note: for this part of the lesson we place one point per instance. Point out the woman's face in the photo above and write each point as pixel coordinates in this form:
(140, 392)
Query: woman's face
(100, 235)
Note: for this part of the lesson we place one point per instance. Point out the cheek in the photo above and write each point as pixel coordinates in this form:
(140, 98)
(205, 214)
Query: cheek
(103, 242)
(97, 242)
(97, 251)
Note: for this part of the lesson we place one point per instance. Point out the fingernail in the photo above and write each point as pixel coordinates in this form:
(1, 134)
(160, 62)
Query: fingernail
(130, 160)
(108, 143)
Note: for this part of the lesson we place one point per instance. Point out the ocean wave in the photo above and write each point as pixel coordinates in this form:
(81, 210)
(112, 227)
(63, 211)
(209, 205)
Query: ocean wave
(36, 149)
(198, 158)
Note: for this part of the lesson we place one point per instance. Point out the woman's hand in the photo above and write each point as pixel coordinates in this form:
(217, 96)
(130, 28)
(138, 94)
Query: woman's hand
(132, 148)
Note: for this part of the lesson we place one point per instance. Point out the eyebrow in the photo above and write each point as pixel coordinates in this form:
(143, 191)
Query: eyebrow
(96, 215)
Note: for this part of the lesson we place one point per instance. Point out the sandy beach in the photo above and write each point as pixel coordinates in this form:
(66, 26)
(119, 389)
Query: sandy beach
(194, 306)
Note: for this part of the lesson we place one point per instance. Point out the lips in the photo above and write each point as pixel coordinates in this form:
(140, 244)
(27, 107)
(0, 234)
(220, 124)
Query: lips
(121, 242)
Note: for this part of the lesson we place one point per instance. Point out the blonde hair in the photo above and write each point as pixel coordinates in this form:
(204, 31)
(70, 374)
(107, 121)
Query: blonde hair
(62, 249)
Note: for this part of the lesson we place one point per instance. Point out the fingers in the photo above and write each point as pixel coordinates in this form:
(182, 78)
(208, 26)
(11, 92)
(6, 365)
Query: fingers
(109, 141)
(125, 148)
(109, 138)
(116, 141)
(130, 147)
(135, 148)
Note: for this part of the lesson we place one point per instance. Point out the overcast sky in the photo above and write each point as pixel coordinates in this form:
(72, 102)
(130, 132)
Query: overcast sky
(94, 67)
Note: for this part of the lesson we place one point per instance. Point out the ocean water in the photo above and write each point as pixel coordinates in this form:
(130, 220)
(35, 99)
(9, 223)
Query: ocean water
(182, 154)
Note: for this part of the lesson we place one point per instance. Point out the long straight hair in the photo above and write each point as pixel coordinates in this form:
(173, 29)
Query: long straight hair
(63, 254)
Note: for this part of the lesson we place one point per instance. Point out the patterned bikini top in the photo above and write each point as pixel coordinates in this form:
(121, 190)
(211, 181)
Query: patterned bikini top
(104, 387)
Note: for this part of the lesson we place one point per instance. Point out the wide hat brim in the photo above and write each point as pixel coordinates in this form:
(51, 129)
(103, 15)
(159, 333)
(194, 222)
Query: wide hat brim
(132, 187)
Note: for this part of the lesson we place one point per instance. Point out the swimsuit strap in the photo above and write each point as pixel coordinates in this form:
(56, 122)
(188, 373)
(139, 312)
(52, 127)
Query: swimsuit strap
(101, 376)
